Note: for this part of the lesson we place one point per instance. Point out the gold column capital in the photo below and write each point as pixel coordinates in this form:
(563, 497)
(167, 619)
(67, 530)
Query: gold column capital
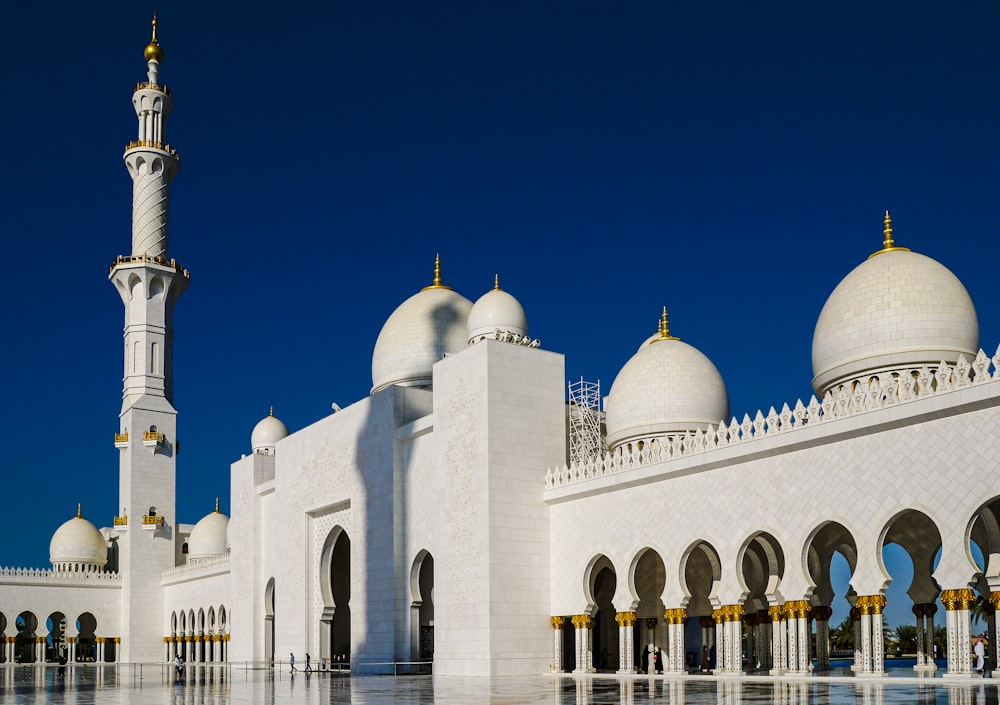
(625, 619)
(676, 615)
(960, 599)
(822, 613)
(557, 622)
(994, 599)
(583, 621)
(776, 612)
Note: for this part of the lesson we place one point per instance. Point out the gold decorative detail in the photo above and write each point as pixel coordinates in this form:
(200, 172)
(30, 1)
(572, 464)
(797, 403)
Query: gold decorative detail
(583, 621)
(153, 259)
(557, 622)
(958, 599)
(797, 609)
(888, 244)
(79, 510)
(676, 615)
(153, 436)
(994, 599)
(717, 616)
(153, 52)
(153, 144)
(664, 329)
(121, 521)
(150, 86)
(271, 412)
(437, 276)
(216, 505)
(776, 613)
(121, 437)
(496, 282)
(152, 520)
(625, 619)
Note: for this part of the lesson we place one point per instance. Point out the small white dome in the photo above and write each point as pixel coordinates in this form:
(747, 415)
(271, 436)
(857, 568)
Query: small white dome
(209, 537)
(667, 387)
(268, 431)
(78, 542)
(423, 329)
(897, 310)
(496, 310)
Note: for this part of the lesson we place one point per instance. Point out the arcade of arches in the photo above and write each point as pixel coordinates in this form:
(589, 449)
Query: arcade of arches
(56, 640)
(765, 631)
(198, 637)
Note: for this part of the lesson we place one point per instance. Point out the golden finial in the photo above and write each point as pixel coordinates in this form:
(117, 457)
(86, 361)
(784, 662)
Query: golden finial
(216, 505)
(664, 328)
(888, 243)
(437, 276)
(271, 413)
(496, 282)
(79, 511)
(153, 52)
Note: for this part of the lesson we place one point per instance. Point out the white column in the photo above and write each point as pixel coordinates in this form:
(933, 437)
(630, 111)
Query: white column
(858, 656)
(626, 646)
(866, 642)
(878, 657)
(775, 612)
(957, 604)
(720, 642)
(804, 656)
(918, 610)
(557, 643)
(71, 643)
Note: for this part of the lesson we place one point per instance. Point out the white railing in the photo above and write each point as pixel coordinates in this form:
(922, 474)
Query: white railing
(869, 393)
(199, 567)
(56, 576)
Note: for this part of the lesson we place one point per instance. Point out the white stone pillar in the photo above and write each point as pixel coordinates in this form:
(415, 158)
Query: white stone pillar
(557, 643)
(822, 616)
(626, 641)
(918, 611)
(582, 624)
(866, 642)
(776, 612)
(957, 604)
(858, 656)
(719, 632)
(878, 645)
(71, 645)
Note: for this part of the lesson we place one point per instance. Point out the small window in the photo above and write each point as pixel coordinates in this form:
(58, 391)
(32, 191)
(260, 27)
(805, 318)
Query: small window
(184, 549)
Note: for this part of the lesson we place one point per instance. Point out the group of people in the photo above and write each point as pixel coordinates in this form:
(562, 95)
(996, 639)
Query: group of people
(291, 662)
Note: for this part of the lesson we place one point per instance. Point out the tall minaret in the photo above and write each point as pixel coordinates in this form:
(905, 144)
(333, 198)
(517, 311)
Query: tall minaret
(149, 284)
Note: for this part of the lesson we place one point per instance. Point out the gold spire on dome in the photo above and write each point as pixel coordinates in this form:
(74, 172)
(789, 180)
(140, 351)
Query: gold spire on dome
(496, 282)
(153, 52)
(271, 413)
(664, 328)
(437, 276)
(888, 244)
(216, 505)
(79, 510)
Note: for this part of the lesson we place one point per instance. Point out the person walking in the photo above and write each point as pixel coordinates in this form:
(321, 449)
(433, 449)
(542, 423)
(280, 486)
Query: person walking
(980, 651)
(291, 662)
(178, 666)
(309, 668)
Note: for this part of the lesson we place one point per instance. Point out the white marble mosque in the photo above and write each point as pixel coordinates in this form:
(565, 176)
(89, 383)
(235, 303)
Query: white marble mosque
(466, 512)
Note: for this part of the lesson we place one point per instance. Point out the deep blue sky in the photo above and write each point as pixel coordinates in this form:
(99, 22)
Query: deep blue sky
(731, 161)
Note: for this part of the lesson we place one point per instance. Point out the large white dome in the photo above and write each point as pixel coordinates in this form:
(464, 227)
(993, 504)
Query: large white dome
(209, 537)
(425, 327)
(897, 310)
(667, 387)
(496, 310)
(268, 431)
(78, 542)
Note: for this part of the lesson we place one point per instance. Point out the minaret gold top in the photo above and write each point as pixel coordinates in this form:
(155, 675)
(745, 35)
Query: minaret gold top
(79, 511)
(496, 282)
(216, 505)
(888, 244)
(437, 276)
(664, 329)
(153, 52)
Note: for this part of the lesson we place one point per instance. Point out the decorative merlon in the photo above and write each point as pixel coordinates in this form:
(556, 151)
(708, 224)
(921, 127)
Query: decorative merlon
(859, 396)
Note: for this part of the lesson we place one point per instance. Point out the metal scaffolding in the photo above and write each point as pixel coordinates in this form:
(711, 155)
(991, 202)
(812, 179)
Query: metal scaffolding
(585, 442)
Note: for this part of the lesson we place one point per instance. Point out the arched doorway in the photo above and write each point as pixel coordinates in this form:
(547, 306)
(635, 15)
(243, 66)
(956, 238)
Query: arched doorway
(648, 579)
(831, 558)
(335, 620)
(86, 638)
(762, 566)
(601, 591)
(702, 572)
(269, 621)
(422, 608)
(55, 647)
(24, 643)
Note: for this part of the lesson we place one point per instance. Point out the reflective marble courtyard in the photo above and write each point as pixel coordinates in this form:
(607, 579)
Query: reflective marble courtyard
(155, 685)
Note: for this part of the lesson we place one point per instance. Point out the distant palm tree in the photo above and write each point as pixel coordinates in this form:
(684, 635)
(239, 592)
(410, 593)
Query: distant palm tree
(842, 636)
(906, 638)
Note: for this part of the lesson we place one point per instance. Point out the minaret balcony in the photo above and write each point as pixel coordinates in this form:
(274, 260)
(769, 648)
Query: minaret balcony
(121, 440)
(151, 144)
(150, 86)
(153, 439)
(150, 259)
(121, 522)
(152, 523)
